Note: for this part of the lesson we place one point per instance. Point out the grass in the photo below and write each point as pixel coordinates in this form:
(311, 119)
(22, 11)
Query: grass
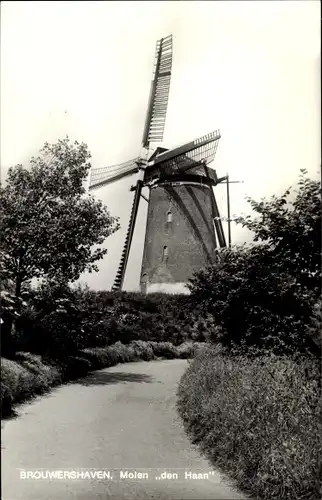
(29, 375)
(257, 420)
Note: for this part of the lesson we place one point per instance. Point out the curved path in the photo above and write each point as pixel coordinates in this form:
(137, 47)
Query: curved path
(123, 420)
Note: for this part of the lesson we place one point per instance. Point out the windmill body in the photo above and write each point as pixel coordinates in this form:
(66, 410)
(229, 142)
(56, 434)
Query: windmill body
(183, 227)
(180, 236)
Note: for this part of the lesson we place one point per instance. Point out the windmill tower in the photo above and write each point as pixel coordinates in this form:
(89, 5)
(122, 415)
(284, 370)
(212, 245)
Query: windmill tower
(183, 224)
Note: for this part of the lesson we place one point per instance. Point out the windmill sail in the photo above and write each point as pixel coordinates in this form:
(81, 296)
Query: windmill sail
(106, 175)
(186, 157)
(159, 94)
(118, 283)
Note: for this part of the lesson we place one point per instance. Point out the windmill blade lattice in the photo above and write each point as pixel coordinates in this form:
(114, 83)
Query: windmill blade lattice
(118, 283)
(159, 94)
(105, 175)
(186, 157)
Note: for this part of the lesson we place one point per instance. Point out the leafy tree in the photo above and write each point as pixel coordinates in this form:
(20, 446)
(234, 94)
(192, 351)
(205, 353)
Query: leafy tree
(49, 227)
(291, 228)
(48, 224)
(263, 294)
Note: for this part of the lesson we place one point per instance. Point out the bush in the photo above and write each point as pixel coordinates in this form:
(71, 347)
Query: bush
(59, 321)
(6, 400)
(164, 350)
(96, 356)
(34, 363)
(185, 350)
(122, 353)
(314, 328)
(263, 294)
(258, 420)
(142, 350)
(137, 350)
(24, 383)
(76, 367)
(27, 356)
(15, 377)
(105, 357)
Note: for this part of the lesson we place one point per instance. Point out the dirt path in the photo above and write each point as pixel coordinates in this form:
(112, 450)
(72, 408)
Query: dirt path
(119, 419)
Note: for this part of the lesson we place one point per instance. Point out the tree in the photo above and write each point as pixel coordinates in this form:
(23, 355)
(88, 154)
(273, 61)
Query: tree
(291, 228)
(49, 227)
(264, 294)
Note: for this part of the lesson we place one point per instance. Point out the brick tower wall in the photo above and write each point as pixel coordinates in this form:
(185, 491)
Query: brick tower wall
(180, 236)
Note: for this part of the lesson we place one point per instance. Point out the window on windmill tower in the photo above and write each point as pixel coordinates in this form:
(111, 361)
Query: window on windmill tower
(169, 218)
(165, 252)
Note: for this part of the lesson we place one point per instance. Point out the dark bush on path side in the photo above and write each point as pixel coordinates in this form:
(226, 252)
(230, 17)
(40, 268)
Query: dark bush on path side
(76, 367)
(164, 350)
(6, 399)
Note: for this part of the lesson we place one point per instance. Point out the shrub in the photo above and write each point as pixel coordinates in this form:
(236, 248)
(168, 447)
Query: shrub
(23, 383)
(12, 374)
(123, 353)
(142, 350)
(164, 350)
(185, 350)
(6, 400)
(25, 378)
(258, 420)
(27, 356)
(96, 356)
(314, 328)
(263, 294)
(111, 355)
(76, 367)
(34, 364)
(59, 321)
(137, 350)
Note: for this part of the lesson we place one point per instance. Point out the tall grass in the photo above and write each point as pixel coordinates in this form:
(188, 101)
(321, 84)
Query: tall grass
(257, 419)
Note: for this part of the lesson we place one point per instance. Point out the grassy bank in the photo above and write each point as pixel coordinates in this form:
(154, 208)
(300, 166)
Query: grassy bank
(29, 374)
(259, 420)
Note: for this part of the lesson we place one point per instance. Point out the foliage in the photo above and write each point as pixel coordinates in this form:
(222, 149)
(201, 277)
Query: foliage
(314, 328)
(263, 294)
(164, 350)
(258, 420)
(6, 400)
(11, 308)
(61, 320)
(52, 324)
(48, 225)
(290, 225)
(75, 366)
(22, 380)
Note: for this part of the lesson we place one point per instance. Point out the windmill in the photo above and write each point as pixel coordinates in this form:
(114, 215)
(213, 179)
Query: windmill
(183, 228)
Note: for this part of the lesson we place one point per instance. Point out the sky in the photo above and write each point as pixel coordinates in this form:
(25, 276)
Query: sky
(83, 69)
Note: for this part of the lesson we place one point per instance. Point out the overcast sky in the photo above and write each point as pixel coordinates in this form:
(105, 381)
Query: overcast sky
(251, 69)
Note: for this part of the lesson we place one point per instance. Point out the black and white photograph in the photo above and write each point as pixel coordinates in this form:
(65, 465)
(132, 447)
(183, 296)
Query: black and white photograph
(160, 250)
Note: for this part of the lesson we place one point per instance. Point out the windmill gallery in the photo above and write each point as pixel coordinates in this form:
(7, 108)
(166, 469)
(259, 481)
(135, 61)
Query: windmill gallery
(183, 228)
